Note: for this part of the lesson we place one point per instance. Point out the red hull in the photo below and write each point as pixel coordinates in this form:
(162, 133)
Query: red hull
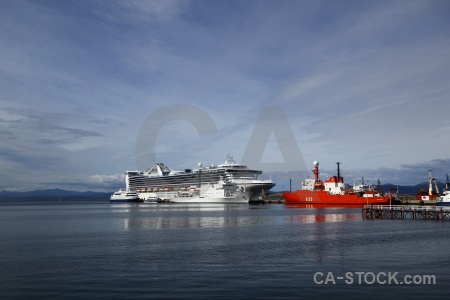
(322, 197)
(427, 197)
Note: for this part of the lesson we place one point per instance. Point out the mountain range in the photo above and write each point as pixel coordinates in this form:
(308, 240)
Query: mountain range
(54, 195)
(60, 194)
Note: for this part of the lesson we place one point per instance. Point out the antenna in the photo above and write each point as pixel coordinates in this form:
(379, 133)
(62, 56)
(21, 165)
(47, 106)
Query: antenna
(447, 184)
(200, 175)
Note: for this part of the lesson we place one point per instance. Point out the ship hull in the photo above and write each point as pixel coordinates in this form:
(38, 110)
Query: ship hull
(256, 190)
(210, 196)
(123, 200)
(427, 197)
(322, 197)
(209, 193)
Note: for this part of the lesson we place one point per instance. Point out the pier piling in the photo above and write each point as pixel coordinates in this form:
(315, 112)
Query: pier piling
(405, 212)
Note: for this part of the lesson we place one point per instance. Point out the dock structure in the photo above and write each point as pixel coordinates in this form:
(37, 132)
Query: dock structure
(406, 212)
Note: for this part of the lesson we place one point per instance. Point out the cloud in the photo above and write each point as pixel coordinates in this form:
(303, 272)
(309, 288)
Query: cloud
(374, 101)
(360, 82)
(47, 127)
(107, 181)
(133, 11)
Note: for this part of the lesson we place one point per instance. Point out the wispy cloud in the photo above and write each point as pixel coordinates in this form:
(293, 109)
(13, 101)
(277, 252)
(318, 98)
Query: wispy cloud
(49, 128)
(361, 82)
(135, 11)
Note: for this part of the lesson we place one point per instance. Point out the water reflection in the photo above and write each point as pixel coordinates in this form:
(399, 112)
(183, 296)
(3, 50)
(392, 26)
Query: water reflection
(318, 213)
(191, 207)
(329, 218)
(190, 222)
(160, 216)
(323, 206)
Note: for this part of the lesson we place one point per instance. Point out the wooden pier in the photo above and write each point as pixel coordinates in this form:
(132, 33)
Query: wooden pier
(406, 212)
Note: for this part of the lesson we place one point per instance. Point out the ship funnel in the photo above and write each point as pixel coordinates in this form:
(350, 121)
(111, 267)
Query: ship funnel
(316, 170)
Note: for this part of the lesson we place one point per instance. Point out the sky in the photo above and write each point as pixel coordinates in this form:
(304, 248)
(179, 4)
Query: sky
(92, 88)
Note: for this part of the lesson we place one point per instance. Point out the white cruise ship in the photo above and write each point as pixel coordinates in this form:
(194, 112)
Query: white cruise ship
(226, 183)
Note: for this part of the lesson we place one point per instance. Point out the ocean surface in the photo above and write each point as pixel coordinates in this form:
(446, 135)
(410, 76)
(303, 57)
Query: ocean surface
(211, 251)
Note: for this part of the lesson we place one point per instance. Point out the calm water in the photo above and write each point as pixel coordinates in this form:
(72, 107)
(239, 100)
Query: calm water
(145, 251)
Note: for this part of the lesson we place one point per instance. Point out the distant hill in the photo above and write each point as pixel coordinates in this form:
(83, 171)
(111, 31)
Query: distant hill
(412, 189)
(53, 195)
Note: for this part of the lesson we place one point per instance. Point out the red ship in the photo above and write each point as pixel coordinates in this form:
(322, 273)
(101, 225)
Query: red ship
(335, 192)
(430, 194)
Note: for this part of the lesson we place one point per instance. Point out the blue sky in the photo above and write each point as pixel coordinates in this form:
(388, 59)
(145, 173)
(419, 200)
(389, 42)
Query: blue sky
(365, 83)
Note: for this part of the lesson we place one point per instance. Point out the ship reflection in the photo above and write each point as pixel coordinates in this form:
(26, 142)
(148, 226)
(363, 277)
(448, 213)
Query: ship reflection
(189, 216)
(320, 213)
(189, 222)
(319, 206)
(324, 218)
(190, 207)
(325, 225)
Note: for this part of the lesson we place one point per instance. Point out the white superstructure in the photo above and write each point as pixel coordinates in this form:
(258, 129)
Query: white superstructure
(225, 183)
(124, 196)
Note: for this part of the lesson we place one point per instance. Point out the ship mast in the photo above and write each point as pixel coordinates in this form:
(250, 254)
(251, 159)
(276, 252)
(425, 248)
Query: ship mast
(447, 184)
(430, 184)
(338, 174)
(380, 187)
(200, 175)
